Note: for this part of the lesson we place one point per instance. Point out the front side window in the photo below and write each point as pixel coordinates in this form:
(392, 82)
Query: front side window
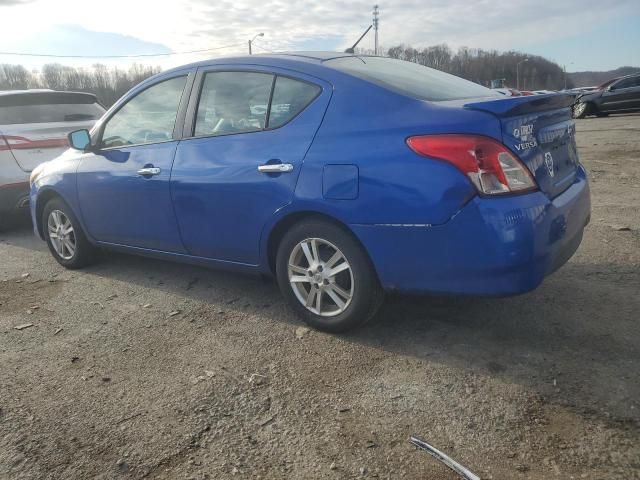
(149, 117)
(233, 102)
(627, 83)
(290, 97)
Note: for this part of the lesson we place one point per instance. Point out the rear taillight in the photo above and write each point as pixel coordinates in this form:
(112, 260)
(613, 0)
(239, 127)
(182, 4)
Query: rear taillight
(11, 142)
(490, 166)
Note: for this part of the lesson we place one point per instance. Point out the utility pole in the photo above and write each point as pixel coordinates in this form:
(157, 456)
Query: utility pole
(518, 72)
(251, 41)
(564, 69)
(376, 13)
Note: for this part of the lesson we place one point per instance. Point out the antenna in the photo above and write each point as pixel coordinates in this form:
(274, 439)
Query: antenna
(376, 14)
(353, 49)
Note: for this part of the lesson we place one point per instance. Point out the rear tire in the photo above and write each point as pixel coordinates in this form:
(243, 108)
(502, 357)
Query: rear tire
(319, 264)
(66, 240)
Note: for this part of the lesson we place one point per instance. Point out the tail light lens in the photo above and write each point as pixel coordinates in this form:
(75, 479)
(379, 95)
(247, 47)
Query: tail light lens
(490, 166)
(11, 142)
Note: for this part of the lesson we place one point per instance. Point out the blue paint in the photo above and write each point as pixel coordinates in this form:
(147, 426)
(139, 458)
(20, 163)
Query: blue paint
(340, 182)
(421, 220)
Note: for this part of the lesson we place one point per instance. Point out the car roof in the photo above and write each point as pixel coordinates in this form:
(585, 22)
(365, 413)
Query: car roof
(313, 57)
(320, 55)
(269, 59)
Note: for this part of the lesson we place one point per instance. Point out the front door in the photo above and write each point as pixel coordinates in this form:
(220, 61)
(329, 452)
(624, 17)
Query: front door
(622, 95)
(251, 131)
(123, 188)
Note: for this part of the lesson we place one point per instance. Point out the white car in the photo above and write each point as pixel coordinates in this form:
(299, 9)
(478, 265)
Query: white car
(33, 129)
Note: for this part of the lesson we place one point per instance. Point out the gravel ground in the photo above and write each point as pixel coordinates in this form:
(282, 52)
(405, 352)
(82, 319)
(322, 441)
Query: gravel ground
(137, 368)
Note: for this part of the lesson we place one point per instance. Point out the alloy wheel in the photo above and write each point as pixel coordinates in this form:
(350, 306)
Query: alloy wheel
(321, 277)
(62, 235)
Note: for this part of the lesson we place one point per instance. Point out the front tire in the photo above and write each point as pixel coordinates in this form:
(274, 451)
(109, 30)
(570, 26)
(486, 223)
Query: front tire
(581, 110)
(65, 238)
(327, 277)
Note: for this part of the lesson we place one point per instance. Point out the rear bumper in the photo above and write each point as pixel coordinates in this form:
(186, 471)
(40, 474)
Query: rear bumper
(493, 246)
(14, 197)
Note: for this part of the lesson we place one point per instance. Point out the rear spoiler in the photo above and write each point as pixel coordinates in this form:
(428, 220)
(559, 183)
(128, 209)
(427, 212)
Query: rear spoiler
(24, 98)
(511, 106)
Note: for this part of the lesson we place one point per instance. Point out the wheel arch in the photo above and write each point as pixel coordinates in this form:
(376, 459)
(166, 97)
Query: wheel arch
(286, 222)
(44, 196)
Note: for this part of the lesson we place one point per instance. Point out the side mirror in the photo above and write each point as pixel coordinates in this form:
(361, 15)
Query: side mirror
(80, 140)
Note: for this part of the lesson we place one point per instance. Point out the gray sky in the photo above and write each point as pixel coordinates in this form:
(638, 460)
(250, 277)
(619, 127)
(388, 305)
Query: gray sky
(583, 34)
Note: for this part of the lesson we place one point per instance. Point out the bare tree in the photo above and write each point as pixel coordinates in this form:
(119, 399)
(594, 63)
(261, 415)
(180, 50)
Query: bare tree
(108, 84)
(14, 77)
(482, 66)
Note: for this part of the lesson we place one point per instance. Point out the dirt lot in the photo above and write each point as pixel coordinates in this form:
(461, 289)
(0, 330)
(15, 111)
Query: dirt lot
(111, 382)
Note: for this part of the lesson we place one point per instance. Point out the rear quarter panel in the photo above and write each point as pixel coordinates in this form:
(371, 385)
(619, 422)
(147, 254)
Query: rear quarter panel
(367, 126)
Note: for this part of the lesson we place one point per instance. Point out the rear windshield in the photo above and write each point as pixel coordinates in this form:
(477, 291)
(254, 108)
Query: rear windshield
(48, 108)
(409, 78)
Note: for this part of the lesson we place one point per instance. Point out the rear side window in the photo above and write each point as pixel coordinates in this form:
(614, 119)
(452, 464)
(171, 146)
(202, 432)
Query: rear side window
(233, 102)
(411, 79)
(290, 97)
(149, 117)
(48, 108)
(242, 102)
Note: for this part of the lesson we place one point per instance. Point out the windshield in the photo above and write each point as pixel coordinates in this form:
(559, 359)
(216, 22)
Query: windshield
(410, 79)
(607, 83)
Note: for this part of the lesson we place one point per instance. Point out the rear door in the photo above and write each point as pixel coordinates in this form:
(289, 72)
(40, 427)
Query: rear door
(35, 124)
(248, 132)
(123, 186)
(622, 95)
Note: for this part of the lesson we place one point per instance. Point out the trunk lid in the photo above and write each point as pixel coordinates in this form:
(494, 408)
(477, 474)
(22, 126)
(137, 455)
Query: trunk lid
(34, 123)
(541, 132)
(34, 143)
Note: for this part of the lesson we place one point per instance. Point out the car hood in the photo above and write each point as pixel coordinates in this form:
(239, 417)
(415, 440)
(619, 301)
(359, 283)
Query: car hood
(589, 95)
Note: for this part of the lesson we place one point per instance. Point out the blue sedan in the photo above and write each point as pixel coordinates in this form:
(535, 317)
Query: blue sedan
(343, 176)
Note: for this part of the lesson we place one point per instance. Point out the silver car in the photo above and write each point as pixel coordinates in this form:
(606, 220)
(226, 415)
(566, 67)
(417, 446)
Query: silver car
(33, 129)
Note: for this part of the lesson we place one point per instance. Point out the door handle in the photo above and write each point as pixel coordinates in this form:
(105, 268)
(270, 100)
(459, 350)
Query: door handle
(149, 171)
(275, 168)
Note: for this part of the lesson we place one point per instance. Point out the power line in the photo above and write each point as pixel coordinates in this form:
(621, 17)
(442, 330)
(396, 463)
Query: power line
(119, 56)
